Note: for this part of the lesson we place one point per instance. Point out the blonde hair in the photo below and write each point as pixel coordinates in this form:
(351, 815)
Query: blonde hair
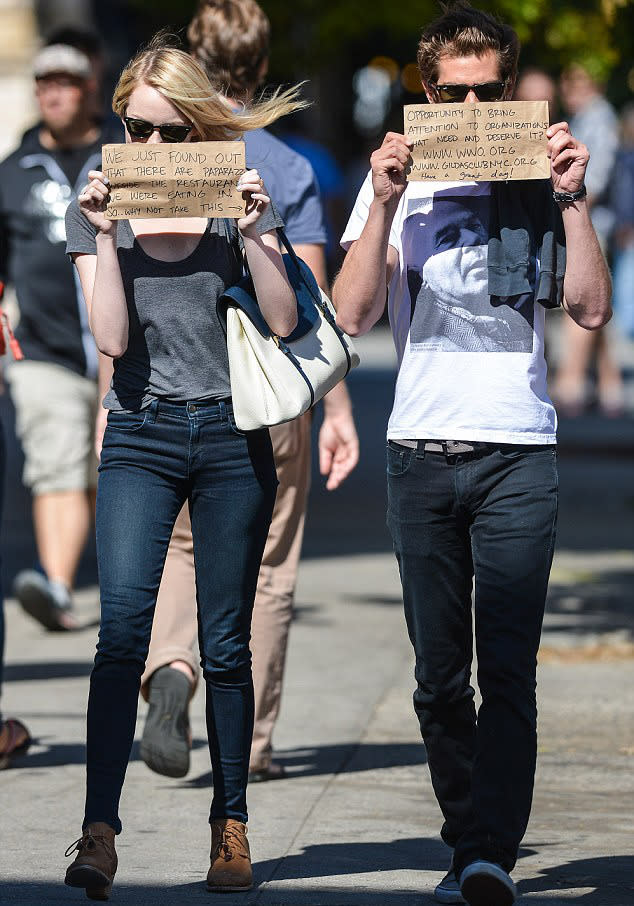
(180, 79)
(230, 38)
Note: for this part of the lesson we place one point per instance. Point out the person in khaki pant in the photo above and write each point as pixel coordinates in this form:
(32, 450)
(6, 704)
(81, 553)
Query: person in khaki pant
(175, 627)
(236, 58)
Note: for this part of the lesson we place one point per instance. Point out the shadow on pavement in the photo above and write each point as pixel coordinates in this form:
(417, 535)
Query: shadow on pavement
(339, 758)
(21, 672)
(608, 880)
(598, 602)
(325, 860)
(56, 754)
(611, 877)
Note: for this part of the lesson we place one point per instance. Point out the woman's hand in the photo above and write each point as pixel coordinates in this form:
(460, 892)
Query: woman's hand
(568, 158)
(93, 200)
(257, 201)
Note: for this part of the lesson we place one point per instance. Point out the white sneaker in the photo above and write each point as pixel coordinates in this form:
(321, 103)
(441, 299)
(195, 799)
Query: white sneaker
(48, 602)
(448, 891)
(487, 884)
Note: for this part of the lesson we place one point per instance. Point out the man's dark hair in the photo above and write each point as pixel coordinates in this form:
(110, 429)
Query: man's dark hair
(464, 31)
(83, 39)
(230, 39)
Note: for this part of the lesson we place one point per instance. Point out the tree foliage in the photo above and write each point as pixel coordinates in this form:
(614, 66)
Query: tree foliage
(309, 35)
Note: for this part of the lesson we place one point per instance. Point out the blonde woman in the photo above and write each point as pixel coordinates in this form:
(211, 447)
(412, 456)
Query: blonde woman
(151, 287)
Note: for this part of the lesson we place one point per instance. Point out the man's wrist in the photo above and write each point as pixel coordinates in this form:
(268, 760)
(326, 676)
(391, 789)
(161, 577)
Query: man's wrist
(337, 408)
(570, 197)
(387, 206)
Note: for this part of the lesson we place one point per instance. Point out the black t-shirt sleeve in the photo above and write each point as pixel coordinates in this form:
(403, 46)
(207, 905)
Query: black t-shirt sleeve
(80, 233)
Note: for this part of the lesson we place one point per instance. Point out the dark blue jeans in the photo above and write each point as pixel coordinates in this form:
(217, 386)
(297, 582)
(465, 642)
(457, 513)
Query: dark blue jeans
(489, 516)
(2, 468)
(151, 462)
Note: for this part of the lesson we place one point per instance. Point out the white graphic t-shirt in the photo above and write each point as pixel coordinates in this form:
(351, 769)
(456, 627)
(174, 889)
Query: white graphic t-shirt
(471, 367)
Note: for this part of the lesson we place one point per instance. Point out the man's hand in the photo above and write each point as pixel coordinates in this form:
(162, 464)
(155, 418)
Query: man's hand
(389, 163)
(338, 443)
(568, 159)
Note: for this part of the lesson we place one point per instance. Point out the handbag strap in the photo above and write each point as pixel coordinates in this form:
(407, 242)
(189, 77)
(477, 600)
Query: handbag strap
(316, 297)
(291, 254)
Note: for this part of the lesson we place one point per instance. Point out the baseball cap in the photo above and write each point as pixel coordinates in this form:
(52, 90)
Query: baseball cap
(61, 58)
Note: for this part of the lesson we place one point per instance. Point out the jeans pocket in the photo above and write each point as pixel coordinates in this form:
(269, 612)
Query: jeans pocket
(518, 451)
(126, 421)
(399, 458)
(233, 426)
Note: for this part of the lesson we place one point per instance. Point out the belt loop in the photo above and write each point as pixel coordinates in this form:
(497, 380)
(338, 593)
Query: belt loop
(420, 449)
(153, 411)
(223, 412)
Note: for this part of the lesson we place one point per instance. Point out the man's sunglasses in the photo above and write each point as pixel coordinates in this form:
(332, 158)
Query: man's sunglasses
(486, 91)
(169, 132)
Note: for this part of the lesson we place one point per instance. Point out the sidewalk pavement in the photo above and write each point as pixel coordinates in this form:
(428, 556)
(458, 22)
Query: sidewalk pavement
(355, 823)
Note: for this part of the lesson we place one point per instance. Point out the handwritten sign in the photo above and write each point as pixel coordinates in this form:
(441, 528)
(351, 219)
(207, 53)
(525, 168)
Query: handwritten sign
(498, 141)
(196, 179)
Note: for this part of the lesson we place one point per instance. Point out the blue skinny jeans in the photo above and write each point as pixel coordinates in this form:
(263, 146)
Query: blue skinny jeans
(151, 463)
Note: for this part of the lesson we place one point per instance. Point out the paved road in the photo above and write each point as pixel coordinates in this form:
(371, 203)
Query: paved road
(355, 823)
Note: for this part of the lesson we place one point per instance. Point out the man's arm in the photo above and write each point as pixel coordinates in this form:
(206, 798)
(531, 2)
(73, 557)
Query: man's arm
(338, 442)
(587, 284)
(360, 288)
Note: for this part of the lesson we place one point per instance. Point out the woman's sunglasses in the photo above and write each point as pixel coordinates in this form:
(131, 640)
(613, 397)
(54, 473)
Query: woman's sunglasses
(486, 91)
(169, 132)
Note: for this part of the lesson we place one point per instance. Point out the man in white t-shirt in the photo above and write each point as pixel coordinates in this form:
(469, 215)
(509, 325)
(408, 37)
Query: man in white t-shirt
(472, 478)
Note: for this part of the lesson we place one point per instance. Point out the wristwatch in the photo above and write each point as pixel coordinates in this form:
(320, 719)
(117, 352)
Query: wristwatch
(570, 196)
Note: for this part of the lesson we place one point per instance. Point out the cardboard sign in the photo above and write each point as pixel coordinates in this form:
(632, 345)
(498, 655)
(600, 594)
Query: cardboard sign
(497, 141)
(185, 179)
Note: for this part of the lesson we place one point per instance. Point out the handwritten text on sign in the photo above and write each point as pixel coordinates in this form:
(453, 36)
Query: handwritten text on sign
(502, 140)
(196, 179)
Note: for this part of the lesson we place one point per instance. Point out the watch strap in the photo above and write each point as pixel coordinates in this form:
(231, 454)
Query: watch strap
(570, 196)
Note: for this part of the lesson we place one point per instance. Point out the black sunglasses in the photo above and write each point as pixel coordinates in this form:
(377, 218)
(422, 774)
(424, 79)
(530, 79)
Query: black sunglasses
(486, 91)
(169, 132)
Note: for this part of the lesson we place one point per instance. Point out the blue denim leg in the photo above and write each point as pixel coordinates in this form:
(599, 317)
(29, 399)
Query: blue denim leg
(151, 463)
(143, 482)
(233, 492)
(2, 468)
(492, 516)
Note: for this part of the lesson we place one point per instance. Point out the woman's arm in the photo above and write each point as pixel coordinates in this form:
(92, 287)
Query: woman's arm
(275, 295)
(100, 274)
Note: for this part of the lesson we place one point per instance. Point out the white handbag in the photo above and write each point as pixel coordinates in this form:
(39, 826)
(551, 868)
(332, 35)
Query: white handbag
(275, 379)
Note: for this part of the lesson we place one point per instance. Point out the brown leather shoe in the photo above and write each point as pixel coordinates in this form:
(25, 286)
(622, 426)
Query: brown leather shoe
(96, 863)
(230, 857)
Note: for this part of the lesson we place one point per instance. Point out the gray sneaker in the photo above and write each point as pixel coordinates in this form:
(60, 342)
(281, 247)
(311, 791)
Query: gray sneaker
(487, 884)
(47, 602)
(448, 891)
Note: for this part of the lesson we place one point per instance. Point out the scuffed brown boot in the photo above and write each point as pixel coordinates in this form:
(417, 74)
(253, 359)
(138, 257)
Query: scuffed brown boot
(230, 857)
(96, 863)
